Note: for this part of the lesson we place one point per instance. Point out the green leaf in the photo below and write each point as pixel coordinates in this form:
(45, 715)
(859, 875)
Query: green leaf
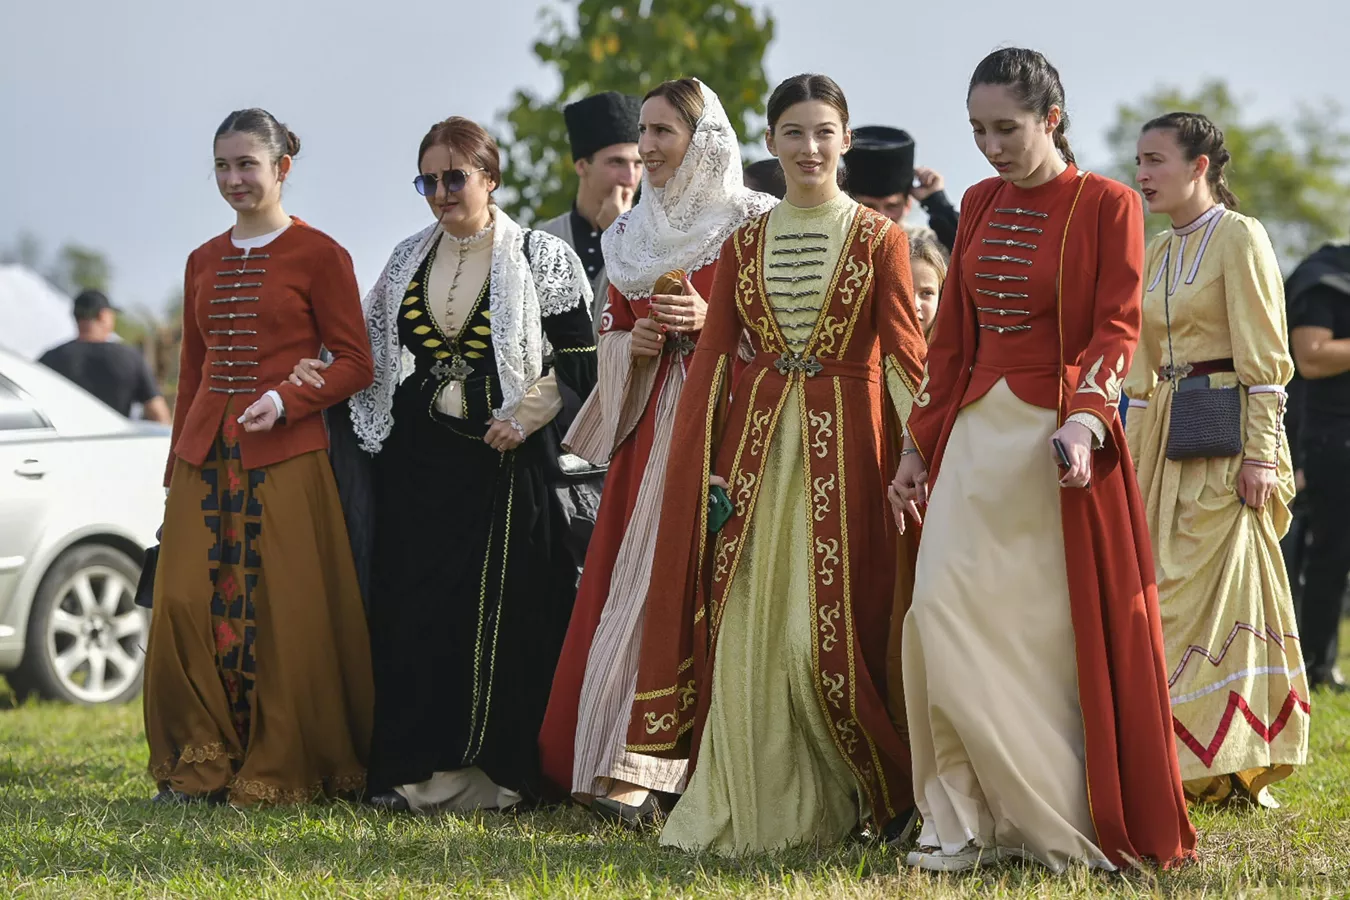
(630, 46)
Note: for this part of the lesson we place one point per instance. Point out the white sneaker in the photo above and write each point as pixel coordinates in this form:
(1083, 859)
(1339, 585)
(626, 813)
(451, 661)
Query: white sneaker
(968, 857)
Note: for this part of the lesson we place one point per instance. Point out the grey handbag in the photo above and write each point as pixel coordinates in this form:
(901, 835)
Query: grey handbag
(1205, 422)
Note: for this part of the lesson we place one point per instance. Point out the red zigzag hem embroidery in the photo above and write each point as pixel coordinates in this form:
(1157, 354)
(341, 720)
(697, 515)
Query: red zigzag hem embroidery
(1236, 702)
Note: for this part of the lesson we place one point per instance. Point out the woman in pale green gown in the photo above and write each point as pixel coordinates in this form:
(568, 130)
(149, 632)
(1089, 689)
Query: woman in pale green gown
(776, 674)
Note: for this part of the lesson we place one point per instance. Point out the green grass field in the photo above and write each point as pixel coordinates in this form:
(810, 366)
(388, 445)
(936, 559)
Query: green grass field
(74, 823)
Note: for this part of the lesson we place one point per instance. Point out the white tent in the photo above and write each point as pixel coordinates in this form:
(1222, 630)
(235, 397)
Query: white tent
(34, 316)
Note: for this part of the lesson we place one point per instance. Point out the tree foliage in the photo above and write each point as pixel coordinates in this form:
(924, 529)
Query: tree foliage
(1292, 174)
(629, 46)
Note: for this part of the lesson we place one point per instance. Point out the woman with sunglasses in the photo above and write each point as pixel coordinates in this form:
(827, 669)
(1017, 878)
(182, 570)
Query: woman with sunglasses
(692, 198)
(257, 674)
(482, 339)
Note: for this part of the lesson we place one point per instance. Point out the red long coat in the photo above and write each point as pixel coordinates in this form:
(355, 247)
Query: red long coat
(1134, 782)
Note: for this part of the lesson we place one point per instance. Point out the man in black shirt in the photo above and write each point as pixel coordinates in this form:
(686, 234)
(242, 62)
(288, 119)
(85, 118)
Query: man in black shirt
(1318, 294)
(111, 371)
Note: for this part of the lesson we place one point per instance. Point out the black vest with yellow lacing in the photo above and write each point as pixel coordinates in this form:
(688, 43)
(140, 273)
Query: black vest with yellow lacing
(466, 355)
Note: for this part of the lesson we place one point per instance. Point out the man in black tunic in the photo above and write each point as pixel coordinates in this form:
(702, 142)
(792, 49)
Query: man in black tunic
(880, 173)
(603, 132)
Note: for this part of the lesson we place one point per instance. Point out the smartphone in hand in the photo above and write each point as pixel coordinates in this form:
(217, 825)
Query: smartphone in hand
(1061, 453)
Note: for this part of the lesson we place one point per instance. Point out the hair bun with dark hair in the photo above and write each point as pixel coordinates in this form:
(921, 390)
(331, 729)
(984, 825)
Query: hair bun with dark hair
(277, 138)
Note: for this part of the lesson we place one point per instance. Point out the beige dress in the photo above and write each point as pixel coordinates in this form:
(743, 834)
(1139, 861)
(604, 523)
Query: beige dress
(1239, 692)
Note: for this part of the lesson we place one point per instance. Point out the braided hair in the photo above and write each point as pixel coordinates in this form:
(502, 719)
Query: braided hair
(1197, 136)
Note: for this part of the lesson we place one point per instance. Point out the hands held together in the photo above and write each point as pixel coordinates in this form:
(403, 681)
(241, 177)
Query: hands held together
(502, 435)
(909, 491)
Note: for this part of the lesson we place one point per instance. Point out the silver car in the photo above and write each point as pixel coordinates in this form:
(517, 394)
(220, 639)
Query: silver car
(80, 501)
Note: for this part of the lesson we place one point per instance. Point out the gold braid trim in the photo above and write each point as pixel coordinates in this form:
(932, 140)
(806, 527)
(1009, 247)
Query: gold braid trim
(249, 789)
(657, 748)
(192, 756)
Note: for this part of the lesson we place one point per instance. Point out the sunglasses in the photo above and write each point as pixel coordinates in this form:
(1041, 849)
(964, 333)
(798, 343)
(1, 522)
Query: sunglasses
(454, 181)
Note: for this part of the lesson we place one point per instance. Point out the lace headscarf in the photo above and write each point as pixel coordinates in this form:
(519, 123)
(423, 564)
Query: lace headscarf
(683, 225)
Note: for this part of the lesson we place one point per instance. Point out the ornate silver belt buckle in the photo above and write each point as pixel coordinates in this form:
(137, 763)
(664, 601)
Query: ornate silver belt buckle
(790, 362)
(458, 369)
(1176, 373)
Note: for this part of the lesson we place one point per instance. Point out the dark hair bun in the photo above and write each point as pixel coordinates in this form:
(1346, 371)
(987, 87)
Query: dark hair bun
(277, 138)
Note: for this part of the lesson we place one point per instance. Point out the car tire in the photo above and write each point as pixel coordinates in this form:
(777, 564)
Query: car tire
(113, 576)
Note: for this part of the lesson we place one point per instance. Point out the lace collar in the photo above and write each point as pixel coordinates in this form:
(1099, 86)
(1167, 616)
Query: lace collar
(683, 225)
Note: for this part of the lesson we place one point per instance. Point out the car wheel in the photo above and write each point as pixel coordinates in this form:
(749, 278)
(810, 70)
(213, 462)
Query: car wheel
(86, 636)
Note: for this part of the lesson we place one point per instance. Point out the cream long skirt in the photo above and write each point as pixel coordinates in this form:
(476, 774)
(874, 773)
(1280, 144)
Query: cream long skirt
(991, 684)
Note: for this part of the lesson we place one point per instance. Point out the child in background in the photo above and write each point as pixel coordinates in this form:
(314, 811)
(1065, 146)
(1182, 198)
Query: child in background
(928, 266)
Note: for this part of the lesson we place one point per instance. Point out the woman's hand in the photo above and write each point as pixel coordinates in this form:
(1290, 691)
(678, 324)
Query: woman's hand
(306, 372)
(1077, 441)
(680, 312)
(1256, 483)
(502, 436)
(909, 490)
(648, 339)
(717, 481)
(260, 416)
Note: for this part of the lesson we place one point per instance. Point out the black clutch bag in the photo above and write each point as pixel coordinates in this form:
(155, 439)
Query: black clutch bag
(1205, 422)
(145, 588)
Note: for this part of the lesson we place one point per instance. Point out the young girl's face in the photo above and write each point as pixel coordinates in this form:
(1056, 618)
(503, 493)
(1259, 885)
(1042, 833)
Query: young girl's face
(927, 289)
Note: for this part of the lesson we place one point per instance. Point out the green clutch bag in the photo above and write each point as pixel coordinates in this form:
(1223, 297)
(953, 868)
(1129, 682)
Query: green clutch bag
(719, 508)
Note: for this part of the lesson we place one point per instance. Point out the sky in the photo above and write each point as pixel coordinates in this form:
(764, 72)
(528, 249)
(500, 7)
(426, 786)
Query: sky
(107, 109)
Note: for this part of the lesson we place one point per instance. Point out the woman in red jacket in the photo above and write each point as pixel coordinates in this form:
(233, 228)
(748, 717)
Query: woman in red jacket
(257, 674)
(1034, 678)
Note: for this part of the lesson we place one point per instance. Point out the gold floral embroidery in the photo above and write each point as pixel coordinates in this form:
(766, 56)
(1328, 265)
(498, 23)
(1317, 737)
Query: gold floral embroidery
(830, 329)
(725, 553)
(760, 420)
(829, 633)
(921, 396)
(834, 687)
(868, 229)
(821, 422)
(657, 723)
(764, 331)
(1110, 389)
(829, 550)
(857, 273)
(847, 734)
(688, 696)
(821, 498)
(745, 485)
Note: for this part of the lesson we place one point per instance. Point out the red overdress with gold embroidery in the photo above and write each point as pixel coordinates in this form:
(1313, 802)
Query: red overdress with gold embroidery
(867, 321)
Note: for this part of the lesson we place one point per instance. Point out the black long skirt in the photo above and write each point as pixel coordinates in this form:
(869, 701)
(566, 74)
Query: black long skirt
(472, 585)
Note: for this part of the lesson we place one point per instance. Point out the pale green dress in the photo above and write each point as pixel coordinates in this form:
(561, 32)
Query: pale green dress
(768, 773)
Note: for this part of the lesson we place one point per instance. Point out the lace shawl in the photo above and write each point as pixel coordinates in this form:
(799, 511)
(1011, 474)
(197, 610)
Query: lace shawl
(522, 294)
(683, 225)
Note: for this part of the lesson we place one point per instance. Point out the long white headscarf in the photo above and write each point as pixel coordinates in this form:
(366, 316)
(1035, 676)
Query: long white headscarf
(683, 225)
